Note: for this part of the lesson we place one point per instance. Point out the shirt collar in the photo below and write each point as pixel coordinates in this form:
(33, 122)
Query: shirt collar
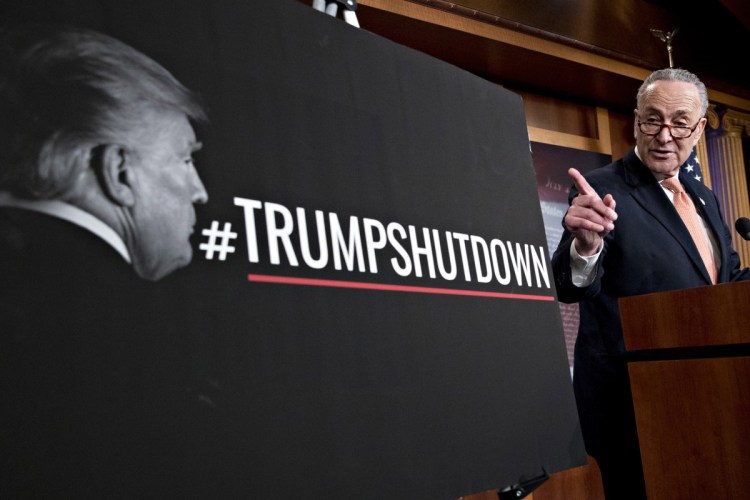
(70, 213)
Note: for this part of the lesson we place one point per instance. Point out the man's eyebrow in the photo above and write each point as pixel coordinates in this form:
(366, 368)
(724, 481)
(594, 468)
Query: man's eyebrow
(195, 146)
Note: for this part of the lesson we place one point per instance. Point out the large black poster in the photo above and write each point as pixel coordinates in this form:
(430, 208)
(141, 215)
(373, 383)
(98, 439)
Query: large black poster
(369, 312)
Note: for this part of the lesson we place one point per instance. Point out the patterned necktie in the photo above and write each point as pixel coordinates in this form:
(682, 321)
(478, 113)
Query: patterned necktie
(686, 209)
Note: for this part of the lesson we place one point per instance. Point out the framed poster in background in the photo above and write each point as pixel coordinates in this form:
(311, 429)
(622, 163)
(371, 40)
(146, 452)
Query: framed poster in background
(552, 160)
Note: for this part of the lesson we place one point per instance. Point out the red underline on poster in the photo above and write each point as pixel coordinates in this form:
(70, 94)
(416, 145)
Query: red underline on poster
(290, 280)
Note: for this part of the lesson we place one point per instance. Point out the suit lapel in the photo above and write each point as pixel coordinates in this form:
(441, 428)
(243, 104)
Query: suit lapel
(647, 192)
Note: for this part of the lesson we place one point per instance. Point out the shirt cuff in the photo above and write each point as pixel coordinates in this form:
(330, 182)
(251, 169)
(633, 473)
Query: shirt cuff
(582, 267)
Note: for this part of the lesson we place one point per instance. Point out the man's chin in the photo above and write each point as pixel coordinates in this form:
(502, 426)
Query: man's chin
(667, 167)
(162, 269)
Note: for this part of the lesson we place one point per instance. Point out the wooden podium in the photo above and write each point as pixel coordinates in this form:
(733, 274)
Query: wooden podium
(689, 365)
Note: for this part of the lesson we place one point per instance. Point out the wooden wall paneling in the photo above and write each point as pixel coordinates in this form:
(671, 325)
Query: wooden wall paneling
(621, 133)
(560, 115)
(568, 124)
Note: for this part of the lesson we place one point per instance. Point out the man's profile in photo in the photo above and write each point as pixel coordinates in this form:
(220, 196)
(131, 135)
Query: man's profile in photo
(94, 128)
(97, 195)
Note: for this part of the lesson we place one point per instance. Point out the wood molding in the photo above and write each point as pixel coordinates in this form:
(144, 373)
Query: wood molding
(504, 35)
(600, 144)
(517, 39)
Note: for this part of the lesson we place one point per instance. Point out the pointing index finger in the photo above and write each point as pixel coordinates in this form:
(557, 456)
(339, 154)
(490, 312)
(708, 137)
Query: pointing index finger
(582, 185)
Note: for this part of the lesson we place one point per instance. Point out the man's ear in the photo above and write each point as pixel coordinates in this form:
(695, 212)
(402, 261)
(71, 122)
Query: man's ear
(114, 173)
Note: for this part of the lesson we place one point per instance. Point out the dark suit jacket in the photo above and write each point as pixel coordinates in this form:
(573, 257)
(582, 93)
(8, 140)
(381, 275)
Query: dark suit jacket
(96, 390)
(650, 250)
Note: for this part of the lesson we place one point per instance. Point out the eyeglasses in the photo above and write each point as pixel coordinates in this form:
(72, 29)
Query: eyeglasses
(677, 131)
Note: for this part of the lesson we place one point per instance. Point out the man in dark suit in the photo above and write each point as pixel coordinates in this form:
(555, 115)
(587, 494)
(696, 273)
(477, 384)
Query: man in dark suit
(97, 187)
(623, 236)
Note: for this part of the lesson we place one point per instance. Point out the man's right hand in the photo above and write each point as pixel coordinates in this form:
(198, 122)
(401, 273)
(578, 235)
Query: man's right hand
(589, 218)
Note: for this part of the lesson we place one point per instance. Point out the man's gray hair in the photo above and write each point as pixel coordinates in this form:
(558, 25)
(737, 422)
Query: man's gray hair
(64, 89)
(675, 75)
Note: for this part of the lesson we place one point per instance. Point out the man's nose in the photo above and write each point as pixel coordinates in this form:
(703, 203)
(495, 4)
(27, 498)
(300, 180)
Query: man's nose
(665, 134)
(200, 195)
